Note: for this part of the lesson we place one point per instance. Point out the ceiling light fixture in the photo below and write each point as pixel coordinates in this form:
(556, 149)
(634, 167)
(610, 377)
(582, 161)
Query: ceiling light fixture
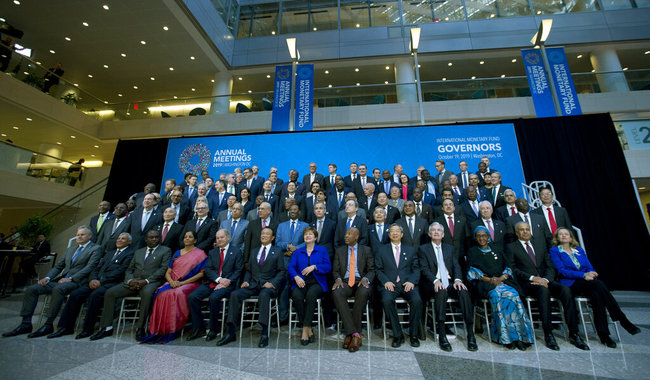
(625, 68)
(106, 66)
(84, 23)
(249, 91)
(16, 128)
(503, 75)
(356, 69)
(481, 63)
(90, 75)
(385, 82)
(68, 39)
(152, 78)
(327, 71)
(358, 84)
(273, 32)
(135, 87)
(192, 58)
(123, 55)
(120, 95)
(105, 101)
(52, 51)
(240, 78)
(171, 69)
(444, 78)
(16, 2)
(105, 6)
(165, 28)
(268, 76)
(76, 84)
(329, 85)
(143, 42)
(175, 97)
(579, 56)
(514, 60)
(28, 119)
(647, 52)
(3, 135)
(473, 77)
(387, 67)
(73, 136)
(194, 89)
(450, 64)
(58, 143)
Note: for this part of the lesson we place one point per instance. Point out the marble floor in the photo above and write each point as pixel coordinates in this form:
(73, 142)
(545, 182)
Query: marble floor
(119, 357)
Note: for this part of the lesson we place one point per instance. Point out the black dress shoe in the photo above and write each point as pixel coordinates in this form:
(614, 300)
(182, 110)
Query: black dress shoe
(45, 330)
(630, 327)
(226, 339)
(83, 334)
(422, 335)
(196, 333)
(22, 329)
(607, 341)
(551, 343)
(60, 332)
(397, 341)
(575, 340)
(264, 341)
(212, 335)
(443, 342)
(102, 334)
(139, 334)
(510, 346)
(415, 342)
(304, 342)
(471, 343)
(522, 347)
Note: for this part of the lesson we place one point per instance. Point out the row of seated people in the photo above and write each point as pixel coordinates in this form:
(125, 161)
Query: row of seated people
(404, 265)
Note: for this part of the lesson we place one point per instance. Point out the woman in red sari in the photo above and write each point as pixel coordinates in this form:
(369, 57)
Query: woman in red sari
(170, 308)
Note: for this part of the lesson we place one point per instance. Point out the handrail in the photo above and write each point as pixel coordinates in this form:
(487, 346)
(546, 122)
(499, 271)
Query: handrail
(39, 153)
(78, 197)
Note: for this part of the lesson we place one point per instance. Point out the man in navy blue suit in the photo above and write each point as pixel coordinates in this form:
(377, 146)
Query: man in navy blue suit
(398, 271)
(254, 185)
(386, 182)
(222, 273)
(351, 220)
(349, 179)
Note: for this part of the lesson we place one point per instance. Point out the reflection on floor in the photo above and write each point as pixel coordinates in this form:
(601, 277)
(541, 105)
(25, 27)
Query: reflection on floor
(119, 357)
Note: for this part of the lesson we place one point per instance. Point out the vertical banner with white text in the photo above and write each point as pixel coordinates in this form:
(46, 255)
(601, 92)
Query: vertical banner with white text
(566, 91)
(281, 99)
(304, 120)
(538, 83)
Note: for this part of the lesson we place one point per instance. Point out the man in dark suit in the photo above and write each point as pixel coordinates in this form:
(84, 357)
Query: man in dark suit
(149, 188)
(66, 276)
(482, 171)
(532, 267)
(431, 188)
(497, 191)
(222, 273)
(97, 221)
(204, 226)
(443, 174)
(378, 231)
(352, 220)
(181, 206)
(368, 198)
(268, 195)
(114, 227)
(538, 227)
(145, 273)
(308, 179)
(496, 228)
(456, 229)
(190, 190)
(470, 205)
(108, 273)
(170, 231)
(39, 250)
(349, 179)
(166, 196)
(264, 275)
(326, 228)
(225, 214)
(330, 180)
(254, 230)
(414, 227)
(455, 187)
(398, 272)
(442, 278)
(463, 174)
(293, 177)
(391, 213)
(422, 209)
(142, 220)
(353, 271)
(387, 182)
(555, 215)
(292, 194)
(254, 185)
(220, 197)
(337, 194)
(359, 183)
(481, 193)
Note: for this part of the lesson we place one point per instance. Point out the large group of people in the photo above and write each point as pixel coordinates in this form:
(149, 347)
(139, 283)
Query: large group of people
(345, 241)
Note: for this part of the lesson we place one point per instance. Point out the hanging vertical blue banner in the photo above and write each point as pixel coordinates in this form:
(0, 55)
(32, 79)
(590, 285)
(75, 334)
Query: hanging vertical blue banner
(538, 83)
(281, 99)
(566, 91)
(305, 98)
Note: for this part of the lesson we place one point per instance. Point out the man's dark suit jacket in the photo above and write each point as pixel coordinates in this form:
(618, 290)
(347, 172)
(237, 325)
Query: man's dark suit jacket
(137, 232)
(365, 262)
(318, 178)
(387, 271)
(93, 225)
(363, 202)
(382, 186)
(184, 212)
(440, 178)
(420, 230)
(341, 228)
(500, 200)
(357, 187)
(461, 234)
(429, 263)
(500, 230)
(375, 243)
(349, 182)
(523, 267)
(426, 212)
(107, 238)
(561, 216)
(273, 201)
(111, 270)
(502, 213)
(253, 233)
(173, 236)
(392, 215)
(272, 270)
(326, 237)
(233, 265)
(152, 270)
(205, 235)
(469, 211)
(300, 189)
(539, 229)
(220, 206)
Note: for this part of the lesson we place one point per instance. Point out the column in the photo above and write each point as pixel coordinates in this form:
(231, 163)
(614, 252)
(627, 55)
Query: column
(222, 86)
(605, 59)
(51, 150)
(404, 74)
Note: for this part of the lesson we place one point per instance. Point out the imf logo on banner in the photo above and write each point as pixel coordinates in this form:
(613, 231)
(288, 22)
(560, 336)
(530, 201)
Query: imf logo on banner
(532, 58)
(194, 159)
(304, 71)
(555, 56)
(284, 74)
(231, 157)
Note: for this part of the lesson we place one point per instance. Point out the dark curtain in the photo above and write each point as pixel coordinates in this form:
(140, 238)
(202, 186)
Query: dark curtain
(136, 163)
(582, 157)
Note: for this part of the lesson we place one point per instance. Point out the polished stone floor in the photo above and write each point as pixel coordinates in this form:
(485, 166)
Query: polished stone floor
(119, 357)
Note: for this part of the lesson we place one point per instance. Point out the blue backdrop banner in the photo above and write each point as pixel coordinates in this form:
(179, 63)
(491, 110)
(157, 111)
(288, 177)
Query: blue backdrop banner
(566, 91)
(304, 120)
(281, 99)
(538, 83)
(377, 148)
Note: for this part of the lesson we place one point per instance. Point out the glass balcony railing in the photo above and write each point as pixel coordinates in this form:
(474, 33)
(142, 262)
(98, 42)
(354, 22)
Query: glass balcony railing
(48, 168)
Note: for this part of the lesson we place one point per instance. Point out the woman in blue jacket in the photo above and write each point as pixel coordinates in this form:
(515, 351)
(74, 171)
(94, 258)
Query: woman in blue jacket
(307, 269)
(576, 272)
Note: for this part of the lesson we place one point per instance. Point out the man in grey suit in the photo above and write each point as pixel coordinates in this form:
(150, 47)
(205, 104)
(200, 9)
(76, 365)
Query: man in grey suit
(237, 226)
(67, 275)
(114, 227)
(443, 174)
(143, 276)
(143, 219)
